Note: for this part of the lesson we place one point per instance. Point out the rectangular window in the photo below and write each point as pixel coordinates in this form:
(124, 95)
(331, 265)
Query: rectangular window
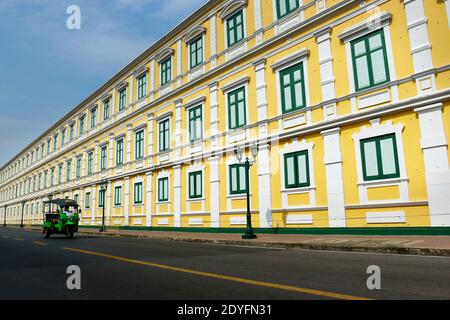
(370, 65)
(196, 52)
(237, 109)
(52, 177)
(284, 7)
(292, 85)
(55, 145)
(89, 164)
(139, 151)
(45, 180)
(163, 189)
(87, 200)
(48, 149)
(195, 185)
(93, 118)
(380, 158)
(106, 105)
(81, 126)
(142, 86)
(166, 71)
(195, 123)
(164, 135)
(119, 152)
(122, 99)
(138, 193)
(101, 198)
(63, 137)
(235, 28)
(60, 172)
(72, 132)
(78, 170)
(69, 171)
(296, 169)
(118, 196)
(75, 198)
(103, 157)
(238, 184)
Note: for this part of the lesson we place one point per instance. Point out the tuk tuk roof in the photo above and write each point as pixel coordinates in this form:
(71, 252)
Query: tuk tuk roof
(62, 202)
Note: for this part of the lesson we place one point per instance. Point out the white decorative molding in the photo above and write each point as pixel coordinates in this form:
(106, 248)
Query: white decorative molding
(299, 219)
(373, 99)
(232, 7)
(164, 54)
(291, 59)
(235, 84)
(140, 71)
(214, 192)
(238, 221)
(374, 22)
(385, 217)
(195, 221)
(194, 33)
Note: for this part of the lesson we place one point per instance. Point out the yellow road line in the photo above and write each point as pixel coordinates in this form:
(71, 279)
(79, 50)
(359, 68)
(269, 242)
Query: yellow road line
(19, 239)
(223, 277)
(40, 243)
(5, 237)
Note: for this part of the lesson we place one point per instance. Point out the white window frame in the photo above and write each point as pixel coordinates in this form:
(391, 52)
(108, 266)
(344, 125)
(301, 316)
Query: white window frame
(162, 174)
(375, 130)
(296, 146)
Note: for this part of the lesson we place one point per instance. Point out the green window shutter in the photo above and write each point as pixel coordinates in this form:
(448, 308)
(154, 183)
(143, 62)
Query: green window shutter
(93, 118)
(196, 52)
(81, 126)
(60, 169)
(370, 64)
(101, 198)
(238, 183)
(106, 110)
(195, 185)
(138, 193)
(122, 99)
(380, 158)
(284, 7)
(292, 83)
(166, 71)
(235, 28)
(104, 158)
(69, 171)
(118, 196)
(163, 189)
(139, 150)
(90, 159)
(119, 152)
(164, 135)
(142, 86)
(296, 169)
(87, 200)
(78, 170)
(237, 109)
(195, 123)
(76, 198)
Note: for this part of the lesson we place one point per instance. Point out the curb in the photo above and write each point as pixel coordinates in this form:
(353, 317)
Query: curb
(282, 245)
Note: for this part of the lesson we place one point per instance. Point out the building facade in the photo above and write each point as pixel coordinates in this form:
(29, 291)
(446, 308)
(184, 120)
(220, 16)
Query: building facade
(346, 102)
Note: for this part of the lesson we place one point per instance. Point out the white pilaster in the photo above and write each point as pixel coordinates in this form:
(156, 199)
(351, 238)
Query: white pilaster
(419, 40)
(213, 40)
(214, 194)
(111, 152)
(93, 203)
(177, 196)
(152, 79)
(335, 181)
(447, 9)
(327, 80)
(264, 186)
(258, 21)
(108, 204)
(261, 94)
(149, 201)
(179, 61)
(129, 137)
(434, 145)
(151, 118)
(126, 206)
(178, 132)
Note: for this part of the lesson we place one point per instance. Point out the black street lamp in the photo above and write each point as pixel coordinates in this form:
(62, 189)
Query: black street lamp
(249, 233)
(103, 187)
(21, 222)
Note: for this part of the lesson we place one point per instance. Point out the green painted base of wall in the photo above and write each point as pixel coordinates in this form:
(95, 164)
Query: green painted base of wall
(396, 231)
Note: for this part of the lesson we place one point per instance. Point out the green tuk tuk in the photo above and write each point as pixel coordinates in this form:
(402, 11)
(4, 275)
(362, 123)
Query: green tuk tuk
(64, 220)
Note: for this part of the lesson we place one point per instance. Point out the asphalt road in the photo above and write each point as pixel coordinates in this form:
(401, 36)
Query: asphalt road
(32, 267)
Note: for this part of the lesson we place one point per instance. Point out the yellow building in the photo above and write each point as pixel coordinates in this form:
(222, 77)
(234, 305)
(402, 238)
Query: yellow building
(346, 102)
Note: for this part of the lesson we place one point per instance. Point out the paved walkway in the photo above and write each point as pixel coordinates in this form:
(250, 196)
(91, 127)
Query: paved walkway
(422, 245)
(417, 245)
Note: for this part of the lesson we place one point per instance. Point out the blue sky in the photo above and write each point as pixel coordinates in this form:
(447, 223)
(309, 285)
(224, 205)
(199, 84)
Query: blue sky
(46, 69)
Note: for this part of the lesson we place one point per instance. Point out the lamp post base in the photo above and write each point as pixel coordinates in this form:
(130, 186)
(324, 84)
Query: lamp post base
(249, 235)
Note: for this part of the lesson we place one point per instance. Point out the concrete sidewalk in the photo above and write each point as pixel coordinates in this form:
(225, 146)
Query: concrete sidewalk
(416, 245)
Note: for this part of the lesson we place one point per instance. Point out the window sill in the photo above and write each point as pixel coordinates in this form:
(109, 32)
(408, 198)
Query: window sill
(384, 181)
(301, 189)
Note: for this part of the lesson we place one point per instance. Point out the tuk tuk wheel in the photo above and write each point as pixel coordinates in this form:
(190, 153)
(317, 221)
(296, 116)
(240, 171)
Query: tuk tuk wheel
(70, 235)
(47, 234)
